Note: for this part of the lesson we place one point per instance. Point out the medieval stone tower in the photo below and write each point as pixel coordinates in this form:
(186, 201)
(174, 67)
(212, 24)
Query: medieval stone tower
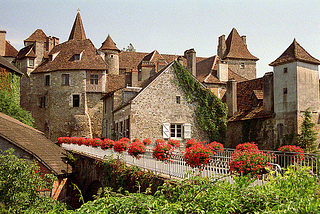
(296, 88)
(111, 55)
(234, 51)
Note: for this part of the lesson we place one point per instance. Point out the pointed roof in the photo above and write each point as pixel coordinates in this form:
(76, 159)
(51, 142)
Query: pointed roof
(77, 31)
(7, 64)
(37, 35)
(236, 48)
(109, 44)
(27, 51)
(10, 50)
(295, 53)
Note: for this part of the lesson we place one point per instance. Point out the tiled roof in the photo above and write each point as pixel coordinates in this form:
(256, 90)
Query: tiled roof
(131, 60)
(207, 71)
(244, 92)
(77, 31)
(256, 113)
(114, 82)
(295, 53)
(7, 64)
(37, 35)
(35, 143)
(108, 44)
(27, 51)
(10, 50)
(236, 48)
(258, 94)
(90, 59)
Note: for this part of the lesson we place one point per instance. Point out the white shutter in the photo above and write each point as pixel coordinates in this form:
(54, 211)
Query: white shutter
(187, 131)
(166, 130)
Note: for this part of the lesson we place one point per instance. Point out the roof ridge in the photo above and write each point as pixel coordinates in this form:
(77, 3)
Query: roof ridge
(77, 31)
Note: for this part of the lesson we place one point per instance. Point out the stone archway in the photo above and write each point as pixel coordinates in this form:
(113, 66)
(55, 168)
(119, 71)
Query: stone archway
(92, 190)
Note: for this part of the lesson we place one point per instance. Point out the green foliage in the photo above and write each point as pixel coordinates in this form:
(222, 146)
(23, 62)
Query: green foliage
(307, 137)
(129, 48)
(18, 183)
(211, 113)
(295, 192)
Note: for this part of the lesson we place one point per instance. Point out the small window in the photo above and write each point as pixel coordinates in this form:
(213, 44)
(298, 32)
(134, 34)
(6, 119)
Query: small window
(280, 130)
(65, 79)
(178, 99)
(176, 131)
(47, 80)
(285, 70)
(31, 63)
(242, 65)
(285, 91)
(76, 100)
(94, 79)
(76, 57)
(42, 102)
(111, 56)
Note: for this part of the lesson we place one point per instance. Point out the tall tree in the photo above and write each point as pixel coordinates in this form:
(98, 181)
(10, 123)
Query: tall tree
(129, 48)
(307, 137)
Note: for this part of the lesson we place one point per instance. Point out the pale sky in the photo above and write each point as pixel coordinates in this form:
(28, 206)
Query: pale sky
(172, 26)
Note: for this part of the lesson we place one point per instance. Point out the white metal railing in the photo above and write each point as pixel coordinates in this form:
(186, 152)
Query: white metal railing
(217, 167)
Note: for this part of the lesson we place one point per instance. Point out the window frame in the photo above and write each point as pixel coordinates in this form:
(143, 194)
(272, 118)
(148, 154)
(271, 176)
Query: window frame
(94, 79)
(65, 77)
(178, 99)
(42, 102)
(47, 80)
(30, 65)
(75, 101)
(174, 131)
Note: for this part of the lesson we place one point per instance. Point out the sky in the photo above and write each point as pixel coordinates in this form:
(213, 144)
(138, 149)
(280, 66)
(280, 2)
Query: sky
(172, 26)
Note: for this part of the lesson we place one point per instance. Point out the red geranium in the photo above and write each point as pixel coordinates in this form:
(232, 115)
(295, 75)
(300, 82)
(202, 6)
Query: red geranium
(62, 140)
(147, 141)
(163, 151)
(120, 146)
(296, 150)
(247, 147)
(190, 143)
(136, 148)
(81, 141)
(107, 144)
(174, 143)
(159, 141)
(197, 155)
(215, 146)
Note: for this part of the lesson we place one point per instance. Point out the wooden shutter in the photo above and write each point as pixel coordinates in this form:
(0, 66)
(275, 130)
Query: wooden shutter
(166, 130)
(187, 131)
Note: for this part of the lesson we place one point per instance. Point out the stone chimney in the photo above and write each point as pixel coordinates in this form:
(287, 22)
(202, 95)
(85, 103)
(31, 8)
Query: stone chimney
(222, 71)
(268, 97)
(221, 46)
(231, 97)
(190, 55)
(2, 42)
(180, 60)
(244, 39)
(134, 76)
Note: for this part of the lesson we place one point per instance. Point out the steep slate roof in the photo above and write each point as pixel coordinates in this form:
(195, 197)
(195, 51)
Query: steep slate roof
(27, 51)
(10, 50)
(37, 35)
(89, 60)
(114, 82)
(207, 71)
(35, 143)
(236, 49)
(77, 31)
(295, 53)
(7, 64)
(109, 44)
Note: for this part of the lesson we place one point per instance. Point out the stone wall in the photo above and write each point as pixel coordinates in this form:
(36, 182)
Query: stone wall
(157, 104)
(245, 68)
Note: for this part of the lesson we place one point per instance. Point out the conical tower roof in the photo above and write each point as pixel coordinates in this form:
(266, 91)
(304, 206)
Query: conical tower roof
(295, 53)
(77, 32)
(108, 44)
(236, 48)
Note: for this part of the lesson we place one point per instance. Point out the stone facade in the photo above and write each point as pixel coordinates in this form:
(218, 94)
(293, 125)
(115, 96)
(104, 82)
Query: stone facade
(155, 111)
(245, 68)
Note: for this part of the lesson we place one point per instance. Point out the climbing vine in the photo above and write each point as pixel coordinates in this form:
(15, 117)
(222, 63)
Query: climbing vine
(211, 112)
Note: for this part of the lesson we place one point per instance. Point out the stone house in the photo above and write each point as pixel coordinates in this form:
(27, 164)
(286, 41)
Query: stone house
(158, 109)
(31, 144)
(267, 109)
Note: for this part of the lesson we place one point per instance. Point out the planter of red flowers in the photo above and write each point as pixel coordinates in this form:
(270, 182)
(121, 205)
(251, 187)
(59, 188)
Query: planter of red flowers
(107, 144)
(190, 143)
(163, 152)
(294, 154)
(136, 149)
(215, 146)
(120, 146)
(248, 159)
(198, 155)
(174, 143)
(147, 141)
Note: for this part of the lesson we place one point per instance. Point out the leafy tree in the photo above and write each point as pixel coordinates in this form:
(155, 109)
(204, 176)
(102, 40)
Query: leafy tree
(18, 183)
(129, 48)
(307, 137)
(9, 107)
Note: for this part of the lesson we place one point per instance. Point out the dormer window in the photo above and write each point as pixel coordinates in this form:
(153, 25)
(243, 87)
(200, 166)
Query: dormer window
(76, 57)
(31, 63)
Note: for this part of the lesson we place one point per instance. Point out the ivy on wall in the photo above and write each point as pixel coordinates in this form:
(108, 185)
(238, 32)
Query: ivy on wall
(211, 112)
(10, 82)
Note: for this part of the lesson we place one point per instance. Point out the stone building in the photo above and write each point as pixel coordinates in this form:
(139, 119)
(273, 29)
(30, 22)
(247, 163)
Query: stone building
(157, 109)
(6, 49)
(267, 109)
